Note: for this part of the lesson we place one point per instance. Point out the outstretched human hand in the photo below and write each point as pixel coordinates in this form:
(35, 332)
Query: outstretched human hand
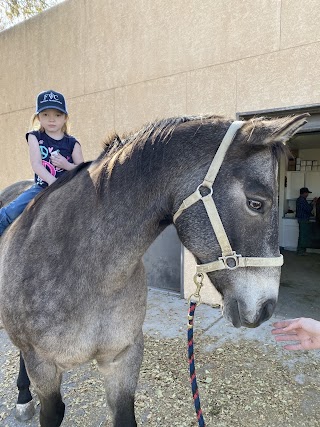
(304, 331)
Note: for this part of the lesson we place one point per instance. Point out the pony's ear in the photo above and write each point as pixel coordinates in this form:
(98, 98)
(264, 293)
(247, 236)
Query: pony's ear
(286, 128)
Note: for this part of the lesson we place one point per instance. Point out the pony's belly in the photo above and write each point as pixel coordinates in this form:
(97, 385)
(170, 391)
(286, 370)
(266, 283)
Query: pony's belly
(77, 354)
(68, 349)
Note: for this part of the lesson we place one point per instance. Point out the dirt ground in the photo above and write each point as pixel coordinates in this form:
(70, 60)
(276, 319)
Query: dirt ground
(241, 384)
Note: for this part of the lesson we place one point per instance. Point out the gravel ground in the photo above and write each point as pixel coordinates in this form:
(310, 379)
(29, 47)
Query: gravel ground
(243, 382)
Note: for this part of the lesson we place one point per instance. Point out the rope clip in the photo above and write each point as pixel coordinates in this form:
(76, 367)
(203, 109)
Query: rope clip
(198, 280)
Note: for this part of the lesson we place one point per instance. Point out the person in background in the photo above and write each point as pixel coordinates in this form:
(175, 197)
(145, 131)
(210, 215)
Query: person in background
(303, 213)
(318, 212)
(304, 332)
(52, 151)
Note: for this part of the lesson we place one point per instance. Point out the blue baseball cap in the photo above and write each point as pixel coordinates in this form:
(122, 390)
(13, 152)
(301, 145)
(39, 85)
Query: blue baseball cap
(51, 99)
(305, 190)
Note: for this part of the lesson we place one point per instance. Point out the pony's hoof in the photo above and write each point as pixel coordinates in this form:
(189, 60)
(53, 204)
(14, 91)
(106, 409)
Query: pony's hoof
(25, 411)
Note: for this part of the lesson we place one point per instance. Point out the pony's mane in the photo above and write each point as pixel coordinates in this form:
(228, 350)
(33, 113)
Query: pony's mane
(161, 128)
(114, 145)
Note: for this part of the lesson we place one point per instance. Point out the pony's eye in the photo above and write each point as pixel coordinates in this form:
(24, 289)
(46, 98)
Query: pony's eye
(254, 204)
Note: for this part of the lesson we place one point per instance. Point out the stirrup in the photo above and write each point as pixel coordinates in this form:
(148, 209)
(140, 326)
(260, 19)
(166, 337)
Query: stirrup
(25, 411)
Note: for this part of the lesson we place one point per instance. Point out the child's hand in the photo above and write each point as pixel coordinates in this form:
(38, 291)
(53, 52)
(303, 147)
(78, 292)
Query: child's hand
(59, 161)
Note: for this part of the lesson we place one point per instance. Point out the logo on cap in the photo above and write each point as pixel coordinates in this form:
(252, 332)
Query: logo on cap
(53, 97)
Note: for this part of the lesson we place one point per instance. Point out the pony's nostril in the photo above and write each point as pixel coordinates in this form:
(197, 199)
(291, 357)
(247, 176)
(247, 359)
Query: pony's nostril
(267, 310)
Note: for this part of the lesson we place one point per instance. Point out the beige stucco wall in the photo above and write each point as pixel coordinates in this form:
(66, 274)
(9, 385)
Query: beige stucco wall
(121, 64)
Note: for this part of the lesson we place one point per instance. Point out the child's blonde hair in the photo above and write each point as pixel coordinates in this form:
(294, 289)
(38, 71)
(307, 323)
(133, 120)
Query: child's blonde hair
(35, 124)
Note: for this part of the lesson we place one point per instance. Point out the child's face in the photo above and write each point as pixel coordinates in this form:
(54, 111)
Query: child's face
(52, 120)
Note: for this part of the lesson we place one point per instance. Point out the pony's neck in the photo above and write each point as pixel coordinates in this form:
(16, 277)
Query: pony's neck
(133, 192)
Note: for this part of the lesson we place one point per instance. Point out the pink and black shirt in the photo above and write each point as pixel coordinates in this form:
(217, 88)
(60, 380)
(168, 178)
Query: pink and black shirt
(47, 146)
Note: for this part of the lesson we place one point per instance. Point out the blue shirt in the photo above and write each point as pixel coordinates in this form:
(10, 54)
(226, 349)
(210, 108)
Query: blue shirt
(47, 145)
(303, 209)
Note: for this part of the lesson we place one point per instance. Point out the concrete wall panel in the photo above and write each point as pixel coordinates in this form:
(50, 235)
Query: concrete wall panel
(15, 165)
(299, 22)
(129, 42)
(136, 41)
(224, 31)
(54, 58)
(279, 79)
(92, 120)
(212, 90)
(137, 104)
(12, 75)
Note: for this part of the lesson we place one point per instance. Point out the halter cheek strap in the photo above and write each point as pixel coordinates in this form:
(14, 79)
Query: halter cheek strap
(230, 259)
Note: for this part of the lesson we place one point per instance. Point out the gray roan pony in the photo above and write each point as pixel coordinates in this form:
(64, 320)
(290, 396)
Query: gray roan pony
(73, 286)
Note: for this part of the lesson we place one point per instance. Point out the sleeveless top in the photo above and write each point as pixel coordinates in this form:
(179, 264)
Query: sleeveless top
(47, 145)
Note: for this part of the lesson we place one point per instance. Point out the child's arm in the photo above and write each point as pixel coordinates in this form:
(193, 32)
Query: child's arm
(36, 161)
(61, 162)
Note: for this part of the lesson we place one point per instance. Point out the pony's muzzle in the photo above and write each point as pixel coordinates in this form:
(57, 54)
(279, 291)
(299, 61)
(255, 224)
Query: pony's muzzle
(236, 313)
(264, 314)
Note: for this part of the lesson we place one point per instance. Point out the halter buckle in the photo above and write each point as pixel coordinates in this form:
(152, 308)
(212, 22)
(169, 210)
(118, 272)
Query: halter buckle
(231, 262)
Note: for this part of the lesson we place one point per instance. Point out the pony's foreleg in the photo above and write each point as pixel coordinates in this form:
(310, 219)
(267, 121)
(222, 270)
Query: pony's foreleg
(46, 379)
(121, 377)
(25, 406)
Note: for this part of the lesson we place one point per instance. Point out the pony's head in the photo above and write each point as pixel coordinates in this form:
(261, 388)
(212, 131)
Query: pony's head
(238, 246)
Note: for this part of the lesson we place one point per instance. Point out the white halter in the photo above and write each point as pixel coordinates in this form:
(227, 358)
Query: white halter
(230, 259)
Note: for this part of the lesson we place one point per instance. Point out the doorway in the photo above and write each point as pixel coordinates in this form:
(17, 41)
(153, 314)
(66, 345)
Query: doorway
(303, 170)
(162, 261)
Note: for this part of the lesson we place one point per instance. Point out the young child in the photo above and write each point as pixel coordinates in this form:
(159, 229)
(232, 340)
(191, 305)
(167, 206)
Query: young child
(51, 149)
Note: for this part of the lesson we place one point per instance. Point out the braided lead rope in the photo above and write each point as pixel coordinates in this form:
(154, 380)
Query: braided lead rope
(193, 378)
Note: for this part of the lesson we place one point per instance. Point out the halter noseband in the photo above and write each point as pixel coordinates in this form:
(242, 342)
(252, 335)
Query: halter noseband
(230, 259)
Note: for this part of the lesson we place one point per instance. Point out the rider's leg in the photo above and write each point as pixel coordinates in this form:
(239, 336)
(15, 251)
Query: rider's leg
(11, 211)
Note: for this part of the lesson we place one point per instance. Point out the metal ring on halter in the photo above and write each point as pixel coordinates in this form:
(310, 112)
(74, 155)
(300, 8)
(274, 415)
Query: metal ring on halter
(225, 260)
(205, 186)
